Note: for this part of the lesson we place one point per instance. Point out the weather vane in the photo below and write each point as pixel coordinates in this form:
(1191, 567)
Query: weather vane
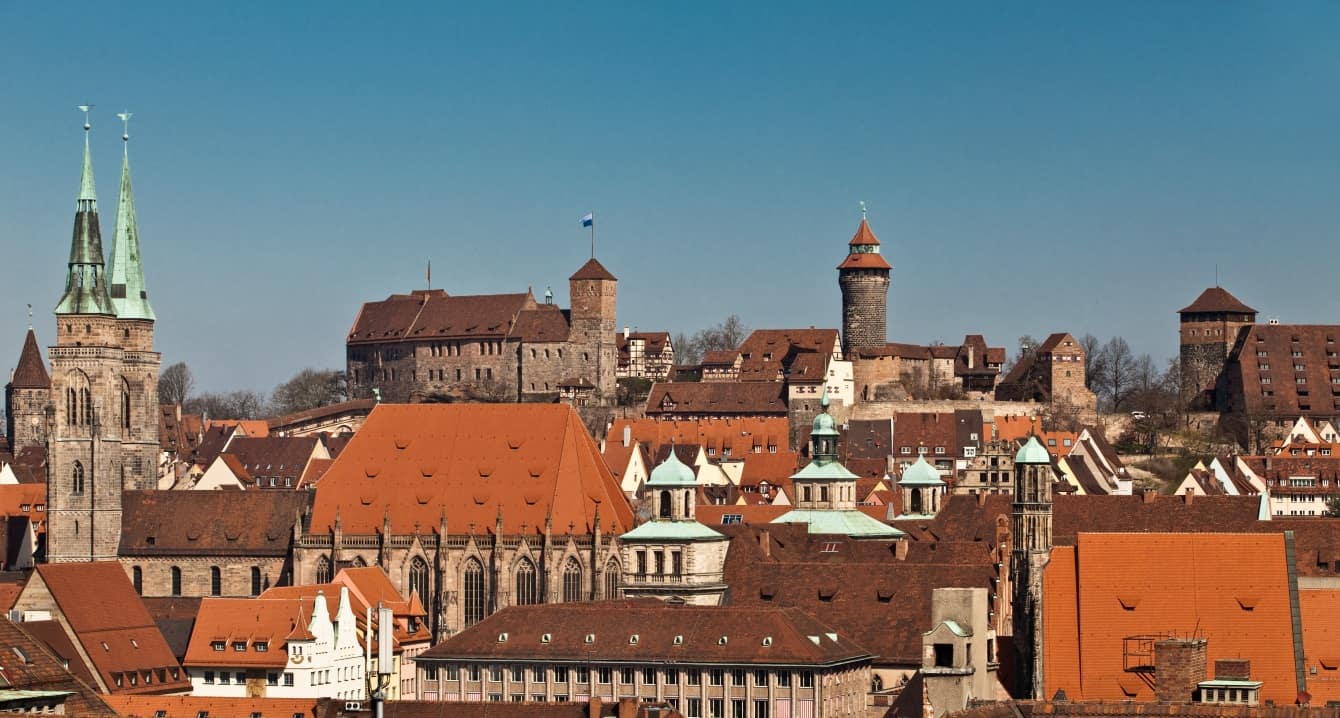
(125, 120)
(862, 209)
(85, 109)
(30, 316)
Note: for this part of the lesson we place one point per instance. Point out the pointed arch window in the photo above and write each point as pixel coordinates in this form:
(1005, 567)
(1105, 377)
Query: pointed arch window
(474, 592)
(176, 580)
(125, 404)
(85, 407)
(572, 581)
(613, 574)
(215, 581)
(323, 570)
(527, 593)
(137, 579)
(418, 579)
(255, 581)
(77, 479)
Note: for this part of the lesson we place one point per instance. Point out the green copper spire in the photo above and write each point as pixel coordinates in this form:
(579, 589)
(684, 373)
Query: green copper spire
(85, 287)
(124, 271)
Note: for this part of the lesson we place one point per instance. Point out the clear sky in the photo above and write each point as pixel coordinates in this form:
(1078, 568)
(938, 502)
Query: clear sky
(1029, 167)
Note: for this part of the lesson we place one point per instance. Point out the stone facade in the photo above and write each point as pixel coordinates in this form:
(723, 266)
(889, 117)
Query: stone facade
(194, 576)
(1054, 374)
(26, 397)
(1207, 331)
(864, 279)
(429, 345)
(1031, 527)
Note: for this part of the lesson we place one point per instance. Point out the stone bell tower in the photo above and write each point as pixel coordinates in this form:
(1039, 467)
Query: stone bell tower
(864, 279)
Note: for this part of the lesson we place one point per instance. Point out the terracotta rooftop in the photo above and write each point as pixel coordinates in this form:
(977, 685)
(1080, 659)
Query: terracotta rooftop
(1216, 299)
(770, 354)
(31, 371)
(213, 707)
(353, 406)
(593, 270)
(28, 665)
(1232, 589)
(1320, 608)
(248, 621)
(652, 631)
(1294, 363)
(241, 523)
(718, 398)
(470, 463)
(435, 315)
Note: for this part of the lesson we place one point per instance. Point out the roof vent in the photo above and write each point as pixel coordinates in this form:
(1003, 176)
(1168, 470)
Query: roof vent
(814, 640)
(502, 638)
(722, 641)
(767, 641)
(590, 638)
(632, 640)
(832, 637)
(545, 638)
(679, 640)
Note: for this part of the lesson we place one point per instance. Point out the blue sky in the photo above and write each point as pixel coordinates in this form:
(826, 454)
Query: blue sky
(1029, 167)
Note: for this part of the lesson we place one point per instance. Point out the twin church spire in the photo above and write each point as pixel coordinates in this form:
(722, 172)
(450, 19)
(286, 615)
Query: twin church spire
(93, 285)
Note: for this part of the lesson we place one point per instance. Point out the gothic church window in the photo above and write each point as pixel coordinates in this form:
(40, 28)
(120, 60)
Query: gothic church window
(323, 570)
(215, 581)
(613, 573)
(572, 581)
(176, 580)
(526, 587)
(474, 592)
(418, 578)
(77, 479)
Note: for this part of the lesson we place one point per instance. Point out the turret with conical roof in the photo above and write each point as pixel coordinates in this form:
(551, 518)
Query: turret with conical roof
(125, 273)
(85, 283)
(864, 279)
(26, 397)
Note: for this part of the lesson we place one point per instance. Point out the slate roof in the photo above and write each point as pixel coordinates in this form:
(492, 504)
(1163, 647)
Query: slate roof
(28, 665)
(31, 371)
(209, 523)
(471, 463)
(1216, 299)
(718, 398)
(112, 626)
(795, 637)
(1231, 589)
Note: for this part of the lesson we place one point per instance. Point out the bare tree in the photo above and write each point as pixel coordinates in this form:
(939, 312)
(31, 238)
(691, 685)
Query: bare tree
(1028, 346)
(309, 389)
(686, 350)
(230, 405)
(1095, 362)
(729, 334)
(1121, 370)
(175, 384)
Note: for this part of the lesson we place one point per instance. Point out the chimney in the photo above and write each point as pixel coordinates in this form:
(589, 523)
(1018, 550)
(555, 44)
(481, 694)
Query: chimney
(972, 354)
(1179, 668)
(626, 332)
(900, 549)
(1232, 669)
(627, 436)
(765, 541)
(981, 499)
(593, 707)
(1186, 497)
(1148, 496)
(627, 708)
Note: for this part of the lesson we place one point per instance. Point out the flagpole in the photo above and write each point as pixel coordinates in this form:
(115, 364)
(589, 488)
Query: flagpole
(593, 234)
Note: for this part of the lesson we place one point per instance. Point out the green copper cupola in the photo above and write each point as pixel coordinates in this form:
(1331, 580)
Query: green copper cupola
(125, 273)
(85, 285)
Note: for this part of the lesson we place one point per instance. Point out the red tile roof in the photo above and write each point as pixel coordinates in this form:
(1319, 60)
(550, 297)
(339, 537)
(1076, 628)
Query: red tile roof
(593, 270)
(354, 406)
(28, 665)
(267, 621)
(718, 398)
(31, 371)
(195, 706)
(434, 314)
(111, 624)
(241, 523)
(1306, 391)
(1231, 589)
(471, 463)
(1320, 609)
(1216, 299)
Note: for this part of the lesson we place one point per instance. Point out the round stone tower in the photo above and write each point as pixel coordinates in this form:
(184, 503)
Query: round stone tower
(864, 279)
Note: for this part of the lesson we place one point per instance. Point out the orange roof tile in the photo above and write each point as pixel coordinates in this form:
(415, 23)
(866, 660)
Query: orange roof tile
(1231, 589)
(1320, 610)
(471, 463)
(195, 706)
(246, 620)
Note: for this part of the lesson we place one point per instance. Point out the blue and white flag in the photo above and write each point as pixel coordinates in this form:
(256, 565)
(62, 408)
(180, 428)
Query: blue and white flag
(588, 220)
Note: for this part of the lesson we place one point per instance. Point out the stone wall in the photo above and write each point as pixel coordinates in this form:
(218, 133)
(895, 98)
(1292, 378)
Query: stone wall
(868, 410)
(865, 295)
(1179, 667)
(196, 581)
(25, 417)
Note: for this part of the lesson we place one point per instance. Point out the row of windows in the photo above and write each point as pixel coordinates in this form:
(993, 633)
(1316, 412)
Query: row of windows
(215, 580)
(647, 676)
(223, 678)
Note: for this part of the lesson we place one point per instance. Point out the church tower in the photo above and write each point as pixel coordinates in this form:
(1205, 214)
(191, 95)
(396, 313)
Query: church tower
(26, 397)
(104, 391)
(592, 291)
(1031, 515)
(864, 279)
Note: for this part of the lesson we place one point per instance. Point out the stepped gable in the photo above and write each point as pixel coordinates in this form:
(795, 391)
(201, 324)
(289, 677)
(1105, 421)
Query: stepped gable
(209, 523)
(665, 632)
(1215, 300)
(27, 665)
(471, 463)
(31, 371)
(1231, 589)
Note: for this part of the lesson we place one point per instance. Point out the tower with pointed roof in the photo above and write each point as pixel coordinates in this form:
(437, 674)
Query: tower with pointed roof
(26, 397)
(1208, 328)
(1031, 524)
(103, 428)
(592, 292)
(864, 279)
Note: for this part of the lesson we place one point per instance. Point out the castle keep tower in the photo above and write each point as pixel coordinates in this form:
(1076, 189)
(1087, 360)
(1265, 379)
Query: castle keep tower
(592, 291)
(26, 397)
(104, 390)
(1209, 327)
(1031, 515)
(864, 279)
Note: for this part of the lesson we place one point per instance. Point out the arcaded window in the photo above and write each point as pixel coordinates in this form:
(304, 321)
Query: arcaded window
(474, 592)
(418, 579)
(572, 581)
(323, 570)
(527, 592)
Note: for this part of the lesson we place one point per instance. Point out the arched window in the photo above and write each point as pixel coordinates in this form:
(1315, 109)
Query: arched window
(613, 574)
(71, 407)
(688, 504)
(77, 479)
(215, 581)
(527, 592)
(666, 508)
(418, 579)
(125, 404)
(323, 570)
(572, 581)
(360, 563)
(876, 684)
(86, 407)
(255, 581)
(474, 592)
(137, 578)
(176, 580)
(916, 501)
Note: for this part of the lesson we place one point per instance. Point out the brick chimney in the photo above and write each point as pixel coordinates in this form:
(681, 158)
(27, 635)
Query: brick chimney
(1148, 496)
(593, 707)
(1179, 667)
(628, 707)
(1232, 669)
(765, 541)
